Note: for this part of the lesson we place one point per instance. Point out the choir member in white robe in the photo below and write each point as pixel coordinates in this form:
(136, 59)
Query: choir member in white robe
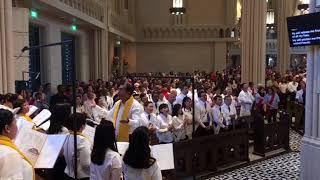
(149, 120)
(188, 113)
(126, 113)
(219, 121)
(13, 163)
(106, 162)
(229, 111)
(83, 150)
(179, 123)
(203, 115)
(89, 104)
(246, 100)
(23, 120)
(166, 128)
(138, 164)
(105, 100)
(80, 107)
(8, 102)
(182, 95)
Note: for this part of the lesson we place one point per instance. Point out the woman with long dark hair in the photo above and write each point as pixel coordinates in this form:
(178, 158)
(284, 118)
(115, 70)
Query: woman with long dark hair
(59, 119)
(137, 161)
(105, 160)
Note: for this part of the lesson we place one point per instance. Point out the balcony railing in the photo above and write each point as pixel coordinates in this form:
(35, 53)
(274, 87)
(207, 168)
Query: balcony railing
(154, 32)
(92, 8)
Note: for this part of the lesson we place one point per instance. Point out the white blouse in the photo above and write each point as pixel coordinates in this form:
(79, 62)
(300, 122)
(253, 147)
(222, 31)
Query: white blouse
(152, 173)
(13, 166)
(83, 156)
(111, 169)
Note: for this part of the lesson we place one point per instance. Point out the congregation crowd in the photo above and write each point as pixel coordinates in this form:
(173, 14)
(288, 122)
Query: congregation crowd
(153, 107)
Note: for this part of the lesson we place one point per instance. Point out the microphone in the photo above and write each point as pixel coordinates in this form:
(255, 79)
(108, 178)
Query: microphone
(22, 51)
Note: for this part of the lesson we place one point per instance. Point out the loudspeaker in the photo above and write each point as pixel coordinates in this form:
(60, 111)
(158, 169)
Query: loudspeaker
(21, 85)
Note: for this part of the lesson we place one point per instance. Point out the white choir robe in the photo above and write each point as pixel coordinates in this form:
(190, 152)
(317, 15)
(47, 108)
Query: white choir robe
(83, 156)
(246, 100)
(13, 166)
(152, 173)
(179, 128)
(23, 123)
(163, 133)
(203, 114)
(134, 115)
(218, 118)
(188, 114)
(6, 108)
(110, 169)
(226, 113)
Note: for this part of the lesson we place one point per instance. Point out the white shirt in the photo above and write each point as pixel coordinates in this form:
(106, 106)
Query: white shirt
(83, 156)
(111, 168)
(218, 116)
(164, 135)
(246, 100)
(152, 173)
(179, 99)
(99, 113)
(134, 115)
(203, 113)
(145, 121)
(179, 132)
(299, 96)
(13, 166)
(106, 102)
(188, 114)
(226, 113)
(292, 86)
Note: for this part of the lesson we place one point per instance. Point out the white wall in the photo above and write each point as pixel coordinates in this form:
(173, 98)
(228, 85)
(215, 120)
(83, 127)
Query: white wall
(20, 39)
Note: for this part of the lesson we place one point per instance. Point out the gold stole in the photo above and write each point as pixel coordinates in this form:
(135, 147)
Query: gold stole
(7, 142)
(123, 134)
(27, 118)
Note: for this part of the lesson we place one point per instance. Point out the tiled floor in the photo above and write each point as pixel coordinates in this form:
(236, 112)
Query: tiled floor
(284, 167)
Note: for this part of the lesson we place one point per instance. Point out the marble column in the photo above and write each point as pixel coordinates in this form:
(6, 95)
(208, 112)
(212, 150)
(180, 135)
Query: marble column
(310, 152)
(6, 48)
(253, 41)
(284, 9)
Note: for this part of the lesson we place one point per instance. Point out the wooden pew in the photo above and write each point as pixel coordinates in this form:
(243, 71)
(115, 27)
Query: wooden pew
(206, 154)
(271, 136)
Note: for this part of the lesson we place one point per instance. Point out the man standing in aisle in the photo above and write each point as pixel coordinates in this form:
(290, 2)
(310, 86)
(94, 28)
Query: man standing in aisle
(126, 113)
(246, 101)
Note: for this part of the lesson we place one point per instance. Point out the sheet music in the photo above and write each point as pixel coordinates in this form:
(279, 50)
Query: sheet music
(122, 147)
(30, 142)
(50, 151)
(45, 126)
(89, 132)
(32, 109)
(163, 153)
(41, 117)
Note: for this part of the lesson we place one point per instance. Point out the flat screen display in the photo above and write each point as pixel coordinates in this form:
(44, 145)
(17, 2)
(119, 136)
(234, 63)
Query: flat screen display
(304, 30)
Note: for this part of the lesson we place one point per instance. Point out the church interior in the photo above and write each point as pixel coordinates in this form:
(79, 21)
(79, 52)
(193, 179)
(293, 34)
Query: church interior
(159, 89)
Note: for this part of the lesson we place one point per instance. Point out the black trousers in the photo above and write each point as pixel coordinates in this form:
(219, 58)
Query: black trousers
(66, 177)
(272, 115)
